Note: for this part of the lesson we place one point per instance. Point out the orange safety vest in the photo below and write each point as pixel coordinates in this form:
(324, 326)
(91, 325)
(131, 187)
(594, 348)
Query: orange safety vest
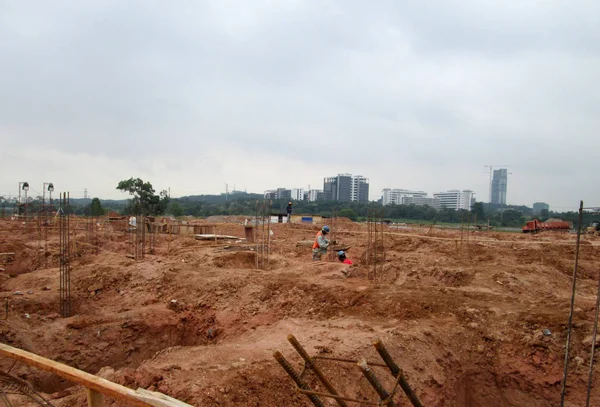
(316, 243)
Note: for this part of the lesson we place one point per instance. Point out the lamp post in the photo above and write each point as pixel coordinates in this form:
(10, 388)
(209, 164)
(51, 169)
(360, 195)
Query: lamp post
(24, 186)
(48, 186)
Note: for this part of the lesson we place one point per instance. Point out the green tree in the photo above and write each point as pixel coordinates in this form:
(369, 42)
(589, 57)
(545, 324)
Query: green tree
(96, 208)
(477, 210)
(544, 214)
(175, 209)
(144, 200)
(511, 218)
(348, 213)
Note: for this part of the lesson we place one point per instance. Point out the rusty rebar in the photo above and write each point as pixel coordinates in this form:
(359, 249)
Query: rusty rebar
(570, 325)
(384, 396)
(310, 363)
(396, 372)
(299, 382)
(594, 332)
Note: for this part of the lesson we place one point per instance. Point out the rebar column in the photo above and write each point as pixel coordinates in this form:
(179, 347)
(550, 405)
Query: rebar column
(296, 378)
(384, 396)
(397, 371)
(311, 365)
(568, 346)
(255, 231)
(65, 272)
(269, 234)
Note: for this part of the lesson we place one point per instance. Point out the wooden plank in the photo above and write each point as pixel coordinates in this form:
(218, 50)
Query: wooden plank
(94, 398)
(90, 381)
(159, 400)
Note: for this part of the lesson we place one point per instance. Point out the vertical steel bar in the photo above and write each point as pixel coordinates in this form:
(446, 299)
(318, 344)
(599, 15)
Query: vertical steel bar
(310, 363)
(375, 248)
(384, 396)
(292, 373)
(570, 325)
(269, 233)
(262, 249)
(397, 371)
(62, 252)
(68, 255)
(594, 332)
(255, 231)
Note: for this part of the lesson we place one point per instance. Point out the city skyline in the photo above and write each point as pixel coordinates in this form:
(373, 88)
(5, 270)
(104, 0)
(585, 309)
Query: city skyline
(378, 196)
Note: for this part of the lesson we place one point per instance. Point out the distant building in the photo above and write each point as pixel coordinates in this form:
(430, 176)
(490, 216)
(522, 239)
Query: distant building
(279, 193)
(538, 207)
(421, 201)
(499, 186)
(395, 196)
(297, 194)
(455, 199)
(313, 195)
(346, 188)
(359, 191)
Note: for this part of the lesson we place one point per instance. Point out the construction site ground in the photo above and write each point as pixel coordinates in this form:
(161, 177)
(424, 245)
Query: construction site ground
(462, 312)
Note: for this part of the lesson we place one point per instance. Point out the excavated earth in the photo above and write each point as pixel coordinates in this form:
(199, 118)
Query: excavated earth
(463, 313)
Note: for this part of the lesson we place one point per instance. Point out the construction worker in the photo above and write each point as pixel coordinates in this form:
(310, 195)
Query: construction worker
(341, 255)
(321, 244)
(288, 210)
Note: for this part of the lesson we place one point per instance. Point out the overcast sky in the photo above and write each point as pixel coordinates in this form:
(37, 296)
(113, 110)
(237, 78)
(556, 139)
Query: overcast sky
(264, 93)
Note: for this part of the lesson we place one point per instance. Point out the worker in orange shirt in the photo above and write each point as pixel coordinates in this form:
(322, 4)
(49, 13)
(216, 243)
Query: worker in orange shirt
(321, 244)
(341, 255)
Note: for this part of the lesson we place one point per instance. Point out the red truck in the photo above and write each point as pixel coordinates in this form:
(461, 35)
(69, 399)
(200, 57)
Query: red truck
(534, 226)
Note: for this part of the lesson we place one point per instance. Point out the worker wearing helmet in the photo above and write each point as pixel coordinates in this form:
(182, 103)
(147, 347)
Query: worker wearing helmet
(288, 210)
(341, 255)
(321, 244)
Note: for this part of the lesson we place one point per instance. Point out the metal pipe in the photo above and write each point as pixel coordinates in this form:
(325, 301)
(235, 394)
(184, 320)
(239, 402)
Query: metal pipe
(299, 383)
(384, 396)
(568, 346)
(591, 372)
(309, 362)
(397, 372)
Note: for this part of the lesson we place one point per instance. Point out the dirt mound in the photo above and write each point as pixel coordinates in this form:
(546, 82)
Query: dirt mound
(463, 313)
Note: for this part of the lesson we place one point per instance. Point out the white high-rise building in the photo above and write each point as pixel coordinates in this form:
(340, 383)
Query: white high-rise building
(359, 189)
(297, 194)
(455, 199)
(395, 196)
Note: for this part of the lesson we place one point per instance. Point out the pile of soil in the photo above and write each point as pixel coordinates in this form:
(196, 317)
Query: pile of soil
(474, 319)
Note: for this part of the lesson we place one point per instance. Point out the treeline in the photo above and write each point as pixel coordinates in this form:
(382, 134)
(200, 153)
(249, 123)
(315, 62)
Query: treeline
(497, 215)
(247, 204)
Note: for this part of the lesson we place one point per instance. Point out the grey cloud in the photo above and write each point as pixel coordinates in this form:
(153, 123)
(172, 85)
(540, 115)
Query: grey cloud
(442, 85)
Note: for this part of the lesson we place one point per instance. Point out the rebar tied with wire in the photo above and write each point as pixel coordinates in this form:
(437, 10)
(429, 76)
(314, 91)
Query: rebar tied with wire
(65, 256)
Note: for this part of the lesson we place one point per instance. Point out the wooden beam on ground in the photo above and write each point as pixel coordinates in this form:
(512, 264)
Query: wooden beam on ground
(139, 398)
(94, 398)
